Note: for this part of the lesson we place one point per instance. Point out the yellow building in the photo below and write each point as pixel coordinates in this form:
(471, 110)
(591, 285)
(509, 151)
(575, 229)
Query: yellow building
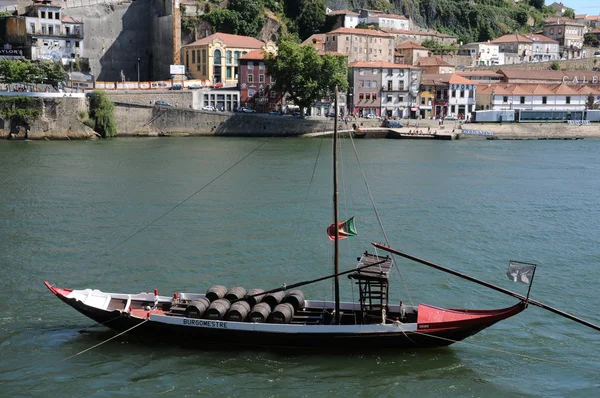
(426, 98)
(215, 58)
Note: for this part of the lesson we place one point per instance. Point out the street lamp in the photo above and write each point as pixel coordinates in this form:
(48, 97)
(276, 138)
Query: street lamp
(138, 67)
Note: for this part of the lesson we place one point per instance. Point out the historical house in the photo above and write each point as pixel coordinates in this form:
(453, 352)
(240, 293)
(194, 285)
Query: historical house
(569, 35)
(256, 86)
(483, 54)
(215, 59)
(51, 35)
(411, 52)
(361, 45)
(453, 95)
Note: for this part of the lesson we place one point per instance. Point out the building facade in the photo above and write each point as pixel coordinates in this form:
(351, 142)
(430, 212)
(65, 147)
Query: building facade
(517, 48)
(483, 54)
(453, 95)
(256, 86)
(569, 35)
(388, 21)
(411, 52)
(344, 18)
(383, 89)
(215, 59)
(544, 48)
(435, 64)
(51, 35)
(361, 45)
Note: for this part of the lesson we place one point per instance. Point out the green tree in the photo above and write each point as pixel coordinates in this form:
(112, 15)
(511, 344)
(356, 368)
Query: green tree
(223, 20)
(25, 71)
(569, 13)
(590, 39)
(555, 66)
(303, 74)
(311, 18)
(102, 112)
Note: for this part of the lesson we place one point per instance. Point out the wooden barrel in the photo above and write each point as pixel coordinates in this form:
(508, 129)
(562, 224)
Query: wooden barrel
(260, 313)
(256, 299)
(273, 299)
(238, 311)
(216, 292)
(196, 308)
(235, 293)
(283, 313)
(295, 298)
(217, 309)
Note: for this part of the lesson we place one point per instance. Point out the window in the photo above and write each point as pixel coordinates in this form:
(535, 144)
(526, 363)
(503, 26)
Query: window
(400, 98)
(390, 72)
(43, 29)
(522, 100)
(452, 108)
(76, 44)
(374, 84)
(217, 56)
(187, 57)
(261, 78)
(368, 96)
(368, 84)
(389, 98)
(56, 15)
(422, 100)
(452, 93)
(361, 83)
(50, 29)
(250, 78)
(43, 14)
(273, 94)
(250, 65)
(355, 49)
(361, 71)
(374, 96)
(568, 100)
(228, 72)
(361, 96)
(193, 57)
(347, 38)
(236, 58)
(505, 99)
(32, 27)
(228, 60)
(544, 100)
(462, 93)
(374, 70)
(261, 66)
(68, 44)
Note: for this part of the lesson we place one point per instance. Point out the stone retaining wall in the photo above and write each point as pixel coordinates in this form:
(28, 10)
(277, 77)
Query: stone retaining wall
(535, 131)
(181, 99)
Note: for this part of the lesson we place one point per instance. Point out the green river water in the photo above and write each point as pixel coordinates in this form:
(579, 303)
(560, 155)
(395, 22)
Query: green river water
(131, 215)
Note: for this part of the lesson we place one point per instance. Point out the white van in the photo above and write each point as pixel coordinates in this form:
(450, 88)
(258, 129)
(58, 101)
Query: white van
(597, 54)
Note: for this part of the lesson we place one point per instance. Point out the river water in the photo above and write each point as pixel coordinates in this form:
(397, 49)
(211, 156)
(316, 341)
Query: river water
(131, 215)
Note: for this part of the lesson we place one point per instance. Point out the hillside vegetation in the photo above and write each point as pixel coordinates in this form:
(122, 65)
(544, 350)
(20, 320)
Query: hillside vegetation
(468, 20)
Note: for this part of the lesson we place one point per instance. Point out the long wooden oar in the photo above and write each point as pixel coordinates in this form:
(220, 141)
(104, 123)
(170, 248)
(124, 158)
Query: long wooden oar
(497, 288)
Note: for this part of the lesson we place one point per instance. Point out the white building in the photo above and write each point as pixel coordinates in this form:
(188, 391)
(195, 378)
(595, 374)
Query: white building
(346, 18)
(388, 21)
(544, 48)
(569, 35)
(53, 36)
(483, 53)
(540, 97)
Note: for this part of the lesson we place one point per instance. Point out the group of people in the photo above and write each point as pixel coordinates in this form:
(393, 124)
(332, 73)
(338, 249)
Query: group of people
(421, 132)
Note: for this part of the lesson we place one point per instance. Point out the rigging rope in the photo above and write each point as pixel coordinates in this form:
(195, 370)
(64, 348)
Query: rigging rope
(185, 200)
(378, 217)
(74, 355)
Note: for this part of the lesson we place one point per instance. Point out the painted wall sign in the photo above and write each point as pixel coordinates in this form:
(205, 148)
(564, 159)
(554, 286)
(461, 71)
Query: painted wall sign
(477, 132)
(581, 80)
(462, 87)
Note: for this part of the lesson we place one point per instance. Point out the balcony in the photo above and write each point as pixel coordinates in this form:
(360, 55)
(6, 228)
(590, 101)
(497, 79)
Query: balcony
(74, 35)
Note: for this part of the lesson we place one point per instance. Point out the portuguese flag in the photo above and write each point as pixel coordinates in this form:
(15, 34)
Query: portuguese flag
(345, 228)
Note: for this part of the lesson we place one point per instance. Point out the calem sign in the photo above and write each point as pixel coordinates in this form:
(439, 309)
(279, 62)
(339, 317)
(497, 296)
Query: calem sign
(581, 80)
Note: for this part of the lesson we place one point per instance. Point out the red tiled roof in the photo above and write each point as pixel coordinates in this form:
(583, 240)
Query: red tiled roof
(254, 55)
(432, 61)
(541, 38)
(317, 37)
(365, 32)
(230, 41)
(410, 45)
(69, 20)
(537, 89)
(512, 38)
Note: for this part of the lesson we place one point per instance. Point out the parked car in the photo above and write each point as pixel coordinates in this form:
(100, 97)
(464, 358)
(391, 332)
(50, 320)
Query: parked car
(274, 113)
(395, 124)
(194, 86)
(248, 110)
(163, 103)
(597, 54)
(208, 108)
(451, 117)
(176, 87)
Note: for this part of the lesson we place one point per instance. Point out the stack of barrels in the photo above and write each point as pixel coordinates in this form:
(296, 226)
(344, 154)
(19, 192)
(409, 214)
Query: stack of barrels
(239, 305)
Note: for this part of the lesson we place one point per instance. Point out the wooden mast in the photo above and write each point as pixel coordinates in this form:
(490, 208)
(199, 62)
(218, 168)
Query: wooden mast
(336, 260)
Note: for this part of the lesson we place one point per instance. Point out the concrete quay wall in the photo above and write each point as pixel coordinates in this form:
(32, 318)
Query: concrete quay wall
(535, 131)
(180, 99)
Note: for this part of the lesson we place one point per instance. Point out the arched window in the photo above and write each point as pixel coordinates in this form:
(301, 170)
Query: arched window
(217, 57)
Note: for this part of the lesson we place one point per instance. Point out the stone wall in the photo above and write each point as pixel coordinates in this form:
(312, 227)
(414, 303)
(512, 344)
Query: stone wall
(537, 131)
(180, 99)
(116, 35)
(242, 124)
(58, 119)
